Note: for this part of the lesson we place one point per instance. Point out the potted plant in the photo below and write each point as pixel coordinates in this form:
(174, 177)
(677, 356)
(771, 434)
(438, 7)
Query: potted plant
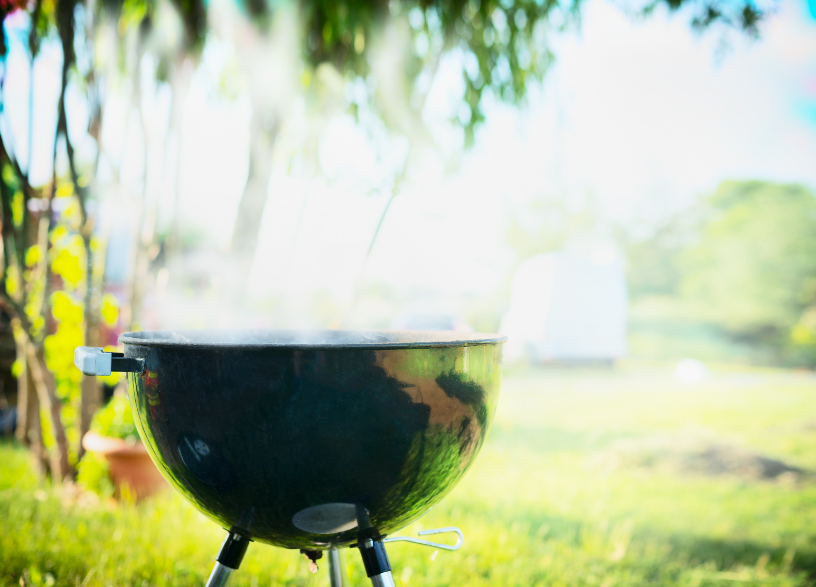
(116, 462)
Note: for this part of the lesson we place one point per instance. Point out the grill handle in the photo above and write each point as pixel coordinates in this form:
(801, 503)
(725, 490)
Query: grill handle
(95, 361)
(456, 546)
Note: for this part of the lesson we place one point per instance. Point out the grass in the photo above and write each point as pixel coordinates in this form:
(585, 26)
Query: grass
(588, 478)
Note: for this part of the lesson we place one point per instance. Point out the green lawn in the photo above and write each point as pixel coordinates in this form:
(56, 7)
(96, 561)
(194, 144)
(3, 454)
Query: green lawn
(588, 478)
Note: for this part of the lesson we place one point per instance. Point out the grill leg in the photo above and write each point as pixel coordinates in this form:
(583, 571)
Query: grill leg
(376, 562)
(337, 576)
(228, 560)
(382, 580)
(219, 576)
(372, 549)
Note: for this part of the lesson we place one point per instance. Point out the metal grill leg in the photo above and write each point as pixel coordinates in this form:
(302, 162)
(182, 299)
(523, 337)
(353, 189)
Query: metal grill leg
(375, 559)
(337, 575)
(382, 580)
(219, 576)
(228, 560)
(372, 549)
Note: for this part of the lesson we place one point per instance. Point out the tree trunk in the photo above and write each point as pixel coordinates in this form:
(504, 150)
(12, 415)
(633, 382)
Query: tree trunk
(147, 223)
(28, 409)
(43, 382)
(91, 391)
(42, 462)
(29, 426)
(180, 89)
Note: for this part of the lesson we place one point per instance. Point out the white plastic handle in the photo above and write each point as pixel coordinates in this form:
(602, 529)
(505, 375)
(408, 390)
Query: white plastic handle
(93, 360)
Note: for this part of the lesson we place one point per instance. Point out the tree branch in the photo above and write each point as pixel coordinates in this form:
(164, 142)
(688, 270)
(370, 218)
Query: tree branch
(81, 192)
(358, 284)
(9, 231)
(15, 310)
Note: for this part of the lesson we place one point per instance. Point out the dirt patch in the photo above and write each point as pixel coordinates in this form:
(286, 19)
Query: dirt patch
(694, 455)
(725, 460)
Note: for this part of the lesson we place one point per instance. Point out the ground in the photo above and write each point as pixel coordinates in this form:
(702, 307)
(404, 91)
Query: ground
(607, 478)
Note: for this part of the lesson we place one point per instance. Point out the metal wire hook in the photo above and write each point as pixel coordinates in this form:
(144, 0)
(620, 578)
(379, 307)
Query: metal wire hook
(456, 546)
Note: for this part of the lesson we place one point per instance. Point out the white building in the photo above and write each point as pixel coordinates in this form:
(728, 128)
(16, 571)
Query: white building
(566, 307)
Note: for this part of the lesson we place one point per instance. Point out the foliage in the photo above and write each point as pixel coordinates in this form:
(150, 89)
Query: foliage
(59, 351)
(654, 262)
(16, 469)
(44, 264)
(754, 265)
(503, 44)
(66, 260)
(93, 475)
(116, 420)
(551, 224)
(669, 328)
(733, 278)
(548, 502)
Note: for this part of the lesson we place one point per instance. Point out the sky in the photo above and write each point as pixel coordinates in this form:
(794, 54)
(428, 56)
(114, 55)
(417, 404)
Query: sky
(642, 116)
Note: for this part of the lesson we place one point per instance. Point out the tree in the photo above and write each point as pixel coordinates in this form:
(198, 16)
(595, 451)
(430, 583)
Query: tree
(754, 265)
(504, 45)
(654, 259)
(51, 284)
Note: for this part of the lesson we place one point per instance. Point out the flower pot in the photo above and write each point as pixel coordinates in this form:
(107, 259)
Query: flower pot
(128, 463)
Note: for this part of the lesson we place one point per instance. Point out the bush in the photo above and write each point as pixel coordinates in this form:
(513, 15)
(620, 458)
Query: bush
(116, 421)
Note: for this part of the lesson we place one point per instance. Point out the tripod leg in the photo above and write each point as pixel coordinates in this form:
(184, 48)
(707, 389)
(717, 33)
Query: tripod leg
(228, 560)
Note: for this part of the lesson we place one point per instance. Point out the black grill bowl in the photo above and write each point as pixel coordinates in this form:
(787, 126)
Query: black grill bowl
(283, 435)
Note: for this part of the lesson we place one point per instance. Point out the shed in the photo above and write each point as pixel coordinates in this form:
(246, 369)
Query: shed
(567, 308)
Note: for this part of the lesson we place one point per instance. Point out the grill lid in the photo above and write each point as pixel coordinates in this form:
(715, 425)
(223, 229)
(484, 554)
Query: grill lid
(369, 339)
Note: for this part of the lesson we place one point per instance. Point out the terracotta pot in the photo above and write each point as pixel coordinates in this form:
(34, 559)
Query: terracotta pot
(128, 463)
